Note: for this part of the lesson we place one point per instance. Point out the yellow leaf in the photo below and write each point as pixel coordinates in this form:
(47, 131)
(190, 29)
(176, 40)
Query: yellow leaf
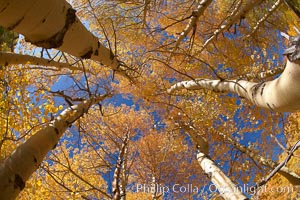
(54, 109)
(39, 183)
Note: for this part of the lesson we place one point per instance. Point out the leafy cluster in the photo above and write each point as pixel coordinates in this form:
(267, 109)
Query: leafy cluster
(142, 135)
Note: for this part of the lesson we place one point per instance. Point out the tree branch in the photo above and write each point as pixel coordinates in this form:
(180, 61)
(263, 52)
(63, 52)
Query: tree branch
(280, 166)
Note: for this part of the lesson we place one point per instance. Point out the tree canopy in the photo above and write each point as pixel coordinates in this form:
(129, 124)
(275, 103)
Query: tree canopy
(149, 99)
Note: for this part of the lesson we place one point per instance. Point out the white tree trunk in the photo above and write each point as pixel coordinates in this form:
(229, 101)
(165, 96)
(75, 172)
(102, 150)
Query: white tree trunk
(223, 184)
(117, 188)
(16, 59)
(238, 13)
(193, 21)
(198, 140)
(53, 24)
(17, 168)
(227, 189)
(275, 6)
(154, 186)
(264, 74)
(281, 94)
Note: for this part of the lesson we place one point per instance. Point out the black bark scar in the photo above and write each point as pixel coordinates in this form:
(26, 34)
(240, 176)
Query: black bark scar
(4, 7)
(255, 89)
(262, 89)
(56, 130)
(16, 24)
(19, 183)
(209, 174)
(87, 55)
(269, 106)
(57, 40)
(112, 56)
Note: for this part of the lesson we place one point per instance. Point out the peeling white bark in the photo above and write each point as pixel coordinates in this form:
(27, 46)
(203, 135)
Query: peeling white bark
(16, 59)
(281, 94)
(227, 189)
(53, 24)
(16, 169)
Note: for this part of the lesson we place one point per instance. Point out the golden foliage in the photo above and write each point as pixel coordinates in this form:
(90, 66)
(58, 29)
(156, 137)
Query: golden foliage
(142, 35)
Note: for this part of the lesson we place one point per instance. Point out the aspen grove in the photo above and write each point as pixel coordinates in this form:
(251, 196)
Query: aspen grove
(149, 99)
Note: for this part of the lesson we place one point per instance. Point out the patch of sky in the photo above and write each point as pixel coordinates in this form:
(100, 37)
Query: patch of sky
(239, 120)
(236, 136)
(258, 123)
(220, 121)
(158, 29)
(251, 137)
(19, 44)
(187, 139)
(222, 68)
(119, 99)
(74, 141)
(223, 162)
(165, 37)
(138, 135)
(108, 176)
(158, 123)
(62, 83)
(234, 154)
(233, 35)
